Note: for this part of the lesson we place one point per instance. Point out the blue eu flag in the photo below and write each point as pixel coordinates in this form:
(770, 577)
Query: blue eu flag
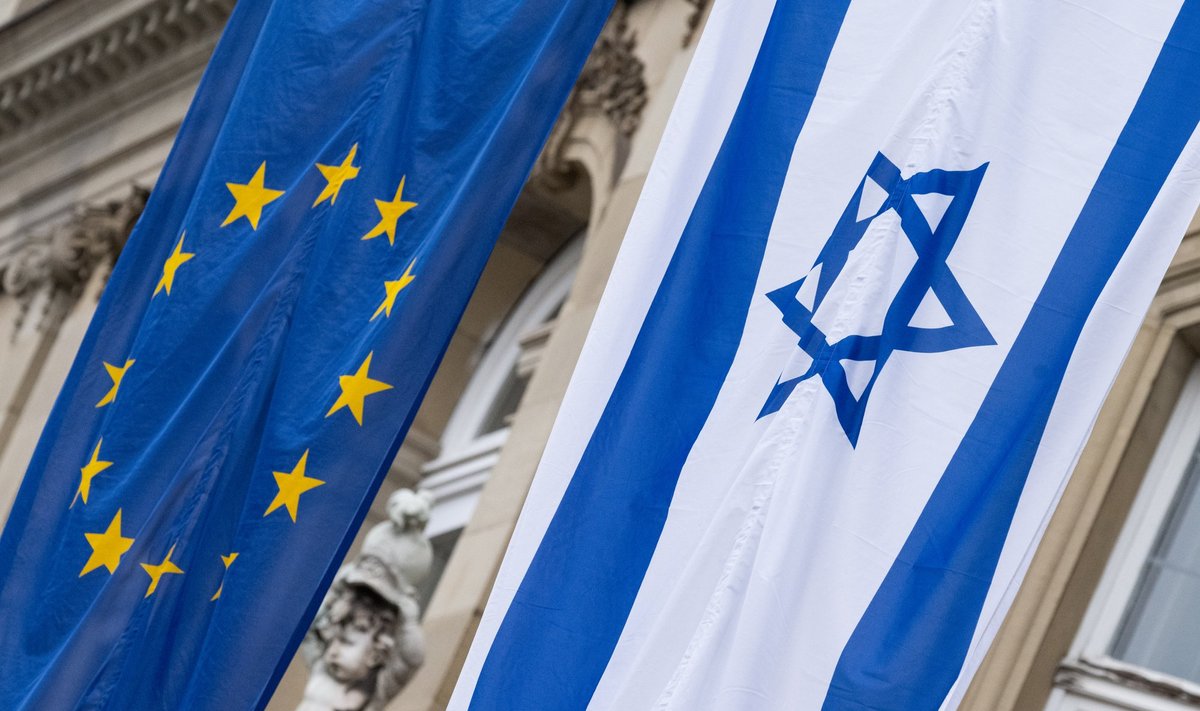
(265, 339)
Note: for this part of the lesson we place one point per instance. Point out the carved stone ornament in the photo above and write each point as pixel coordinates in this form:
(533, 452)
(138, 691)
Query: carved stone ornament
(154, 29)
(693, 22)
(611, 80)
(611, 85)
(366, 641)
(61, 259)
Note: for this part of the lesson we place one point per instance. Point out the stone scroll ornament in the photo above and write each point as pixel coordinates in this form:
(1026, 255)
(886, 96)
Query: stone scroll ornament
(366, 641)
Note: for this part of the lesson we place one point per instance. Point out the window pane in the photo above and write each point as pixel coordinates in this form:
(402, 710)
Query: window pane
(505, 405)
(443, 546)
(1161, 629)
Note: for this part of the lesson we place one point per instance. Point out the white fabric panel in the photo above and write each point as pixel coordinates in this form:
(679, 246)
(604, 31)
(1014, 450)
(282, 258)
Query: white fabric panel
(709, 95)
(793, 549)
(781, 528)
(1117, 318)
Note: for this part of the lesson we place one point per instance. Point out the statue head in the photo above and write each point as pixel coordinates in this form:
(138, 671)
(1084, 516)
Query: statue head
(360, 630)
(366, 640)
(409, 510)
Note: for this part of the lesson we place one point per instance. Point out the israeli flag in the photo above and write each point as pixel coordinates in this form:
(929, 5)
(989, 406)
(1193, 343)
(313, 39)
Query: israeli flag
(886, 265)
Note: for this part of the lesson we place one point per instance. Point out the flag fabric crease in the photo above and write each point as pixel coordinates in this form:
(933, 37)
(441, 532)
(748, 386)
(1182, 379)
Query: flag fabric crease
(885, 267)
(265, 339)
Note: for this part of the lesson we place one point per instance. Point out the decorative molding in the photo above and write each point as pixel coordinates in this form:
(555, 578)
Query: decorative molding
(457, 484)
(1090, 677)
(103, 58)
(693, 21)
(61, 259)
(612, 80)
(533, 347)
(612, 85)
(417, 450)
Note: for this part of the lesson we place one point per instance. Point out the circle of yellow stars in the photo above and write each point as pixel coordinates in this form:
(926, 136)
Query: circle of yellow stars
(250, 200)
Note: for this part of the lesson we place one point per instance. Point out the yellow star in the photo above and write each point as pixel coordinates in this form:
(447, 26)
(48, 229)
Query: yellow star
(335, 176)
(107, 547)
(167, 567)
(228, 561)
(177, 258)
(251, 198)
(393, 289)
(356, 388)
(116, 373)
(390, 212)
(89, 471)
(291, 486)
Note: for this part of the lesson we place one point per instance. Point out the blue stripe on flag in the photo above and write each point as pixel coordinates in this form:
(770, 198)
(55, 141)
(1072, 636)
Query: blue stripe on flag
(560, 631)
(910, 645)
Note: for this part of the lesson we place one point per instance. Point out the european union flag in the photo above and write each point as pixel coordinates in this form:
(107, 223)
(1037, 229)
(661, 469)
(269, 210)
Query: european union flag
(265, 339)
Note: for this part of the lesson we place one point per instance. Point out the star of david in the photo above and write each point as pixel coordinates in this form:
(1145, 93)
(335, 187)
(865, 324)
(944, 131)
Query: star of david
(914, 203)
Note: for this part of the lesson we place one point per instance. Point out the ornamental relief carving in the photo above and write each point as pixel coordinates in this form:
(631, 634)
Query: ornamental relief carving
(62, 259)
(693, 21)
(612, 85)
(154, 30)
(611, 81)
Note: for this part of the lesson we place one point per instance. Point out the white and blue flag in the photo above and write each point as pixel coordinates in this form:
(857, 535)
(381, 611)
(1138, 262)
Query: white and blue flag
(885, 267)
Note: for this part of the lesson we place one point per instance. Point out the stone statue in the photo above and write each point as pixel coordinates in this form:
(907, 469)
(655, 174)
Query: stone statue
(366, 642)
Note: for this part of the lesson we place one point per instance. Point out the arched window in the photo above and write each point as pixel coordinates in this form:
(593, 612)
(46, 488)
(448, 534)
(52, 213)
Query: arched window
(479, 425)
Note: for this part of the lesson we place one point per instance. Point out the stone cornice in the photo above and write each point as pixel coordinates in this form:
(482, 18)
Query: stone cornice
(85, 57)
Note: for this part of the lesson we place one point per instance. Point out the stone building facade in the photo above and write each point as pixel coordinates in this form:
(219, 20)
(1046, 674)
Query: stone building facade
(91, 95)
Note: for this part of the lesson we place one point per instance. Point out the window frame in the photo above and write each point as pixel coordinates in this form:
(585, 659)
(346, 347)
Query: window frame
(456, 477)
(1090, 671)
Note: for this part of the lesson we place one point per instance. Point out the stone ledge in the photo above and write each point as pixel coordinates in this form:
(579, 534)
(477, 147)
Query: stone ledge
(1091, 678)
(102, 57)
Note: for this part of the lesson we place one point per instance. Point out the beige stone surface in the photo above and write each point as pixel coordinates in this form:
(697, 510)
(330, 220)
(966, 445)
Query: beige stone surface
(82, 153)
(23, 342)
(92, 147)
(8, 9)
(458, 603)
(508, 273)
(1018, 671)
(52, 371)
(506, 276)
